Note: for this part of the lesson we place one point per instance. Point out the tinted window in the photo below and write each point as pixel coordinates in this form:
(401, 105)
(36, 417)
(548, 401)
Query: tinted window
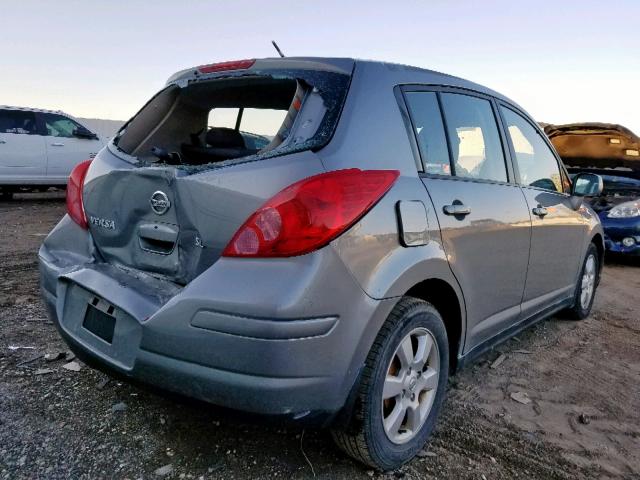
(537, 164)
(17, 121)
(475, 140)
(427, 121)
(59, 126)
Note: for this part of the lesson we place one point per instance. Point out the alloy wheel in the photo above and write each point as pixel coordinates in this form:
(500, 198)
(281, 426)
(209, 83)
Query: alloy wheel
(588, 282)
(410, 385)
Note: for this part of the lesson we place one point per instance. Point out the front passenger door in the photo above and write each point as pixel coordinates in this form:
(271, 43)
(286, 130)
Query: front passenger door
(64, 150)
(558, 230)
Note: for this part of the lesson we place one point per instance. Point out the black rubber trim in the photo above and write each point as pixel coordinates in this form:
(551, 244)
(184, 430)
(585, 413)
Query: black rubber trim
(509, 332)
(262, 328)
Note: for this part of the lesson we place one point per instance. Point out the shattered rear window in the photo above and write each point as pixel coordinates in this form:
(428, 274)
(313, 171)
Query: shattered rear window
(241, 116)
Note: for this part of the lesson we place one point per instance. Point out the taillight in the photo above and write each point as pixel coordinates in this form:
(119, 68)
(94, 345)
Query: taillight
(310, 213)
(75, 207)
(224, 66)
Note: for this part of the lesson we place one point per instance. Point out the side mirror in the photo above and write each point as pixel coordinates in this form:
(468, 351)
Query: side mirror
(587, 185)
(84, 133)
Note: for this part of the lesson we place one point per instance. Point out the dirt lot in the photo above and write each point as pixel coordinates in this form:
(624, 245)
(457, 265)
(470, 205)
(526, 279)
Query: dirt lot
(583, 379)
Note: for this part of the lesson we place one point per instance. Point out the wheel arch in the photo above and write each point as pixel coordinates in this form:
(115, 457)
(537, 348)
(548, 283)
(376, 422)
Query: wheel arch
(445, 299)
(443, 293)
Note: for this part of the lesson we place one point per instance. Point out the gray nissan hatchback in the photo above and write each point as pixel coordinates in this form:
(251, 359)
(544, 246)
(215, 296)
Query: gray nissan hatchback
(322, 239)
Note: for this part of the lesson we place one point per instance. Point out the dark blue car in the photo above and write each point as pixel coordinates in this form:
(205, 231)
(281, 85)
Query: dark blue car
(619, 210)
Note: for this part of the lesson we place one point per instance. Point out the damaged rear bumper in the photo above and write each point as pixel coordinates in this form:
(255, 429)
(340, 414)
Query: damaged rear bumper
(246, 335)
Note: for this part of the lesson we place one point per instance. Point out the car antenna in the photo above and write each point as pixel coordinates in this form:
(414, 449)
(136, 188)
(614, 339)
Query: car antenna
(275, 45)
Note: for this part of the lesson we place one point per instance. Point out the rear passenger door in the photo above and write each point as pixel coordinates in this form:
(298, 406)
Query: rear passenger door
(22, 153)
(558, 229)
(484, 219)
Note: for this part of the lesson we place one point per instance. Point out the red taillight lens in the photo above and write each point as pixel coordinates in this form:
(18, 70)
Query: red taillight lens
(223, 66)
(310, 213)
(75, 207)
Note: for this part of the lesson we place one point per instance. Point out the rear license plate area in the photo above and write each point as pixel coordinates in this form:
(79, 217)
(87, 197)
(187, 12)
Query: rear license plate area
(99, 319)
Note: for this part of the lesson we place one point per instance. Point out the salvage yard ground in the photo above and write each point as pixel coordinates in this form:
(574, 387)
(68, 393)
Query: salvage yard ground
(562, 400)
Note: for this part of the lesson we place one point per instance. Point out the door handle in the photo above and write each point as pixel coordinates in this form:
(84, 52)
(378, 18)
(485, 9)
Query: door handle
(2, 142)
(57, 144)
(540, 211)
(456, 209)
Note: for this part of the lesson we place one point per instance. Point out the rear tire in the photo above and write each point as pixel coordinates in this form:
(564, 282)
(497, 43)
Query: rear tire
(587, 285)
(6, 196)
(401, 390)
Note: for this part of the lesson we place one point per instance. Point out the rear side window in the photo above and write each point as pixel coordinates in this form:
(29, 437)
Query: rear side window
(474, 137)
(429, 131)
(537, 164)
(58, 126)
(18, 121)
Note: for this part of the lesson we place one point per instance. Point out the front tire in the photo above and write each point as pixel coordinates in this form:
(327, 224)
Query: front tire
(587, 284)
(401, 390)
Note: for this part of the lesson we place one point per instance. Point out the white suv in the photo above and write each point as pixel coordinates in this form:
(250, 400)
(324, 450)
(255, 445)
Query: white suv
(39, 148)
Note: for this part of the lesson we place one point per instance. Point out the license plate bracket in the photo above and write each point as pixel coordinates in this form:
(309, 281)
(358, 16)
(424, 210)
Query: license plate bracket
(99, 319)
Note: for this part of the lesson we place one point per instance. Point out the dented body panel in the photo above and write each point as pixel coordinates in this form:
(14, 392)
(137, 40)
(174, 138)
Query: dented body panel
(206, 209)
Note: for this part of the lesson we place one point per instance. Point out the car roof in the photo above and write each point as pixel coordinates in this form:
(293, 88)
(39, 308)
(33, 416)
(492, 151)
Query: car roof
(408, 74)
(30, 109)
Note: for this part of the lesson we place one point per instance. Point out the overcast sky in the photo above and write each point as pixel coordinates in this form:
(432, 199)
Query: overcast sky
(562, 61)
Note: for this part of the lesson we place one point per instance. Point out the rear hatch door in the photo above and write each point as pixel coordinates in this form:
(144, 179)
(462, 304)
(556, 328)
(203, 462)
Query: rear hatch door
(164, 221)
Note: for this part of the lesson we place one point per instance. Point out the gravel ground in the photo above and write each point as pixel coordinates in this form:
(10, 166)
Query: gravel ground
(583, 379)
